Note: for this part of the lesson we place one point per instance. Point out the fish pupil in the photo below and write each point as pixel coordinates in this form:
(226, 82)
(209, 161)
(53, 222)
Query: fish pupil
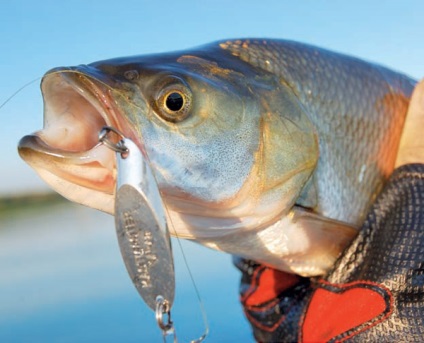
(175, 101)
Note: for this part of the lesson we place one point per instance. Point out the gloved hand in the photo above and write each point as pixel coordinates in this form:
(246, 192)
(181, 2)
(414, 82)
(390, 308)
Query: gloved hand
(375, 292)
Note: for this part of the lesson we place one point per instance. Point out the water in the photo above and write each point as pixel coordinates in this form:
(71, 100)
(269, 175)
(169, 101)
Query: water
(63, 280)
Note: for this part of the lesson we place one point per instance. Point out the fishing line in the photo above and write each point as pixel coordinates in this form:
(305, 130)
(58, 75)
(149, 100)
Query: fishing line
(18, 91)
(193, 282)
(36, 79)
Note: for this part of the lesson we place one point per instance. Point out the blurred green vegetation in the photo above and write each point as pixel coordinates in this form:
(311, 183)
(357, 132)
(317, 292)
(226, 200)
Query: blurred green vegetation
(30, 202)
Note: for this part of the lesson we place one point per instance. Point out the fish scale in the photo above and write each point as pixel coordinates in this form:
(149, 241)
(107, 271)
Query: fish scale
(358, 109)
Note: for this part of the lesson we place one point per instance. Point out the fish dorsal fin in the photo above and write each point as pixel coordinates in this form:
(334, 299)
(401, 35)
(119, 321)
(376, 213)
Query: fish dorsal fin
(411, 147)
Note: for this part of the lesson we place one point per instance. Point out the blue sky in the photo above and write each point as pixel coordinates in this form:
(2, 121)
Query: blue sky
(38, 35)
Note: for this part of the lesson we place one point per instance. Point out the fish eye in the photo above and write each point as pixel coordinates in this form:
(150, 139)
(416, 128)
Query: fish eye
(174, 103)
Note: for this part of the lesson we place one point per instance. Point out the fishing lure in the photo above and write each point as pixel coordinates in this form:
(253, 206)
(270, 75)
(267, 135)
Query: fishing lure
(142, 230)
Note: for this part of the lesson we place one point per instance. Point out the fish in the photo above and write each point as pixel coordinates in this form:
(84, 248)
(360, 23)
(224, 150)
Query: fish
(272, 150)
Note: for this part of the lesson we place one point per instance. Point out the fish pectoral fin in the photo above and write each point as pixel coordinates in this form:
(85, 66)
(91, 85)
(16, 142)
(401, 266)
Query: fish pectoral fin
(327, 235)
(301, 242)
(309, 196)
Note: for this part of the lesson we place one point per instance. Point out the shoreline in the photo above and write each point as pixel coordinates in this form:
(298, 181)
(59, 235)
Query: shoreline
(32, 200)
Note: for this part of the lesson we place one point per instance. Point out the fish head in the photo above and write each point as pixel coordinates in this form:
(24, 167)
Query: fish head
(230, 145)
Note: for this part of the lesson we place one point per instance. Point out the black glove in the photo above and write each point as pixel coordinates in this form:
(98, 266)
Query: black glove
(375, 292)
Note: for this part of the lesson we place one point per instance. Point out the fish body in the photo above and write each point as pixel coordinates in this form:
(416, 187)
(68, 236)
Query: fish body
(269, 149)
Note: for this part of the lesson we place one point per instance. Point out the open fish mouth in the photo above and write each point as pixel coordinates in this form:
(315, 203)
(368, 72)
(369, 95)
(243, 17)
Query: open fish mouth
(66, 153)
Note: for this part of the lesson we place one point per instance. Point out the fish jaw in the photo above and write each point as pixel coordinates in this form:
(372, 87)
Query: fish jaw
(66, 153)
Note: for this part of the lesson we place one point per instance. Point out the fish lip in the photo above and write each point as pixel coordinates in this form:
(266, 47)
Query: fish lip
(76, 90)
(80, 86)
(34, 144)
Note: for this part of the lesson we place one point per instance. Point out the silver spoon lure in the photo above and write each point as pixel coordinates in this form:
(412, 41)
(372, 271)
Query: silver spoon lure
(142, 230)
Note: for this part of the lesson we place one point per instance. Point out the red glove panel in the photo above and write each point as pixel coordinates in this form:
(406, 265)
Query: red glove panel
(375, 293)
